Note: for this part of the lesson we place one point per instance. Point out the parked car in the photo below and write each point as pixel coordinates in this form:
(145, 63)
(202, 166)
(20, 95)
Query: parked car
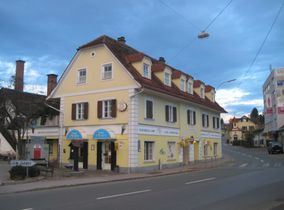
(274, 147)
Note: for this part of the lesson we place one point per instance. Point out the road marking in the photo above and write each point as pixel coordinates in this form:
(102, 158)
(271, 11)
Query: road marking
(243, 165)
(266, 165)
(27, 209)
(124, 194)
(201, 180)
(257, 158)
(262, 161)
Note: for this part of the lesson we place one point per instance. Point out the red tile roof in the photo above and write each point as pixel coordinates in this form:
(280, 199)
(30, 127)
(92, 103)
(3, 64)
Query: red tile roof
(125, 54)
(197, 83)
(208, 88)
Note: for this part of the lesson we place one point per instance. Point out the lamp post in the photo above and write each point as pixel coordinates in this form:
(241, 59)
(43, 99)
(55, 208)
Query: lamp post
(228, 81)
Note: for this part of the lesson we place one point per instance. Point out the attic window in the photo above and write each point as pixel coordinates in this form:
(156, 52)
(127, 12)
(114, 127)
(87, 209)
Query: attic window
(202, 92)
(93, 54)
(189, 87)
(167, 79)
(146, 71)
(182, 85)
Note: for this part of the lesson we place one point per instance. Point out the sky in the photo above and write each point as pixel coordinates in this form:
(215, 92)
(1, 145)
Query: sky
(46, 35)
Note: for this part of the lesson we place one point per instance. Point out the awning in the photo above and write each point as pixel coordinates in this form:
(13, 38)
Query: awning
(103, 134)
(76, 134)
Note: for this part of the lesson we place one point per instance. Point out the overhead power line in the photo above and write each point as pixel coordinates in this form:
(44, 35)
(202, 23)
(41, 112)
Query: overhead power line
(263, 42)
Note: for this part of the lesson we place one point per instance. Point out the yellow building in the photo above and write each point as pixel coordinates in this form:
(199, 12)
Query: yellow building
(122, 109)
(239, 127)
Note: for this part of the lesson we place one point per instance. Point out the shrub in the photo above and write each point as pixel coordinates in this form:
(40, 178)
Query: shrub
(17, 173)
(34, 171)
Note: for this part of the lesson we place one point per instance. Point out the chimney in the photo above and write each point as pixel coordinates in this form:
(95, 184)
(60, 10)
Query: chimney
(162, 59)
(51, 82)
(121, 40)
(19, 77)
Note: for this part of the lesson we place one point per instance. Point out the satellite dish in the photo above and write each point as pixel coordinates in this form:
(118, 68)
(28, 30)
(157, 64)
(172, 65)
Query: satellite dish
(203, 35)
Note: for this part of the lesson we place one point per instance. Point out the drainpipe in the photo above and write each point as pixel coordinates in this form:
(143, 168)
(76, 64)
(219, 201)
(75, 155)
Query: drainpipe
(60, 140)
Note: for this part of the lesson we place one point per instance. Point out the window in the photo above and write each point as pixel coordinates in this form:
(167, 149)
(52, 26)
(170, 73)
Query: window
(167, 79)
(191, 117)
(80, 111)
(107, 72)
(82, 75)
(182, 84)
(189, 87)
(106, 109)
(215, 148)
(171, 149)
(216, 122)
(201, 92)
(171, 113)
(149, 109)
(205, 120)
(50, 146)
(244, 128)
(146, 71)
(148, 150)
(206, 150)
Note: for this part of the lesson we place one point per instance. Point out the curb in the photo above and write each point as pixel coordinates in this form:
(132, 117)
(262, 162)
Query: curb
(143, 176)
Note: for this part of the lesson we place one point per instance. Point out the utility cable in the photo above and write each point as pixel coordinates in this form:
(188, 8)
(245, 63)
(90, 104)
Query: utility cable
(263, 42)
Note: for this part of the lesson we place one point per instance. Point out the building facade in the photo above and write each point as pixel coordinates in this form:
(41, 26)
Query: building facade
(122, 109)
(239, 127)
(273, 95)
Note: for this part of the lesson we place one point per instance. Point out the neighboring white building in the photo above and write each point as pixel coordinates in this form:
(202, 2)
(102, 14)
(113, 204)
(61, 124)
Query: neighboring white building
(273, 94)
(5, 147)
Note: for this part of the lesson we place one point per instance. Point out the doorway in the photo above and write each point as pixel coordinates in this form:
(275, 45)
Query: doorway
(106, 155)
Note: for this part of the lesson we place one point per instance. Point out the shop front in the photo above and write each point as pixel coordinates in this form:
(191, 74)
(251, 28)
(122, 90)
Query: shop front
(106, 149)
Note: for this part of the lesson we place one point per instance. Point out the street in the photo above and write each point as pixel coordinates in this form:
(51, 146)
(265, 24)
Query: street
(254, 180)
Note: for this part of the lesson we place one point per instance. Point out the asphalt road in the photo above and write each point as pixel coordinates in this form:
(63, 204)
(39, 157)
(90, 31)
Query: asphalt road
(255, 180)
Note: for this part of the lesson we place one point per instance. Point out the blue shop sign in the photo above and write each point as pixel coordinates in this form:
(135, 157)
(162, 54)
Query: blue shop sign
(74, 135)
(101, 134)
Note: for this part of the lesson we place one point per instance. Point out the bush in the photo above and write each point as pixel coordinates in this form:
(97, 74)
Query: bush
(17, 173)
(34, 171)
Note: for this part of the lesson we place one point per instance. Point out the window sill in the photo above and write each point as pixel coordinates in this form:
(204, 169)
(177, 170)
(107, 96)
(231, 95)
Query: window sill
(81, 83)
(171, 159)
(149, 161)
(149, 119)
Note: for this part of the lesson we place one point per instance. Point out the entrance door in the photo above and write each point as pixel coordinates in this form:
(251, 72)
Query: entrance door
(106, 155)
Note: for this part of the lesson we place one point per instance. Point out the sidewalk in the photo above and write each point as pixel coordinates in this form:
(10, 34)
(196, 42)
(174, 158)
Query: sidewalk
(95, 177)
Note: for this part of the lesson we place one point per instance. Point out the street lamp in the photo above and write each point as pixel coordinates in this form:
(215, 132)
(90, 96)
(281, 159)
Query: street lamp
(228, 81)
(203, 35)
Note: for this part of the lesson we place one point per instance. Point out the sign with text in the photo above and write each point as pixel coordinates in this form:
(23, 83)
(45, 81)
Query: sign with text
(24, 163)
(155, 130)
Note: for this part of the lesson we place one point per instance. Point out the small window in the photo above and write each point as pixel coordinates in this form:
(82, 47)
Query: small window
(171, 113)
(82, 76)
(107, 72)
(201, 92)
(189, 87)
(205, 120)
(215, 149)
(106, 109)
(80, 111)
(167, 79)
(191, 117)
(149, 109)
(146, 71)
(182, 84)
(171, 149)
(148, 150)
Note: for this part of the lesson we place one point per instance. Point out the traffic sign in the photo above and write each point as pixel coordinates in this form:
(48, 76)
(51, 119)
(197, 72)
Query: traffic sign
(25, 163)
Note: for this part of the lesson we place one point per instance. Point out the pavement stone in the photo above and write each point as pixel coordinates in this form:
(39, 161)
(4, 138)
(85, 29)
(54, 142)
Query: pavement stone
(61, 178)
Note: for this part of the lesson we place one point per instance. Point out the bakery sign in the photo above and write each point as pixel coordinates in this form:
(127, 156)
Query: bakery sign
(157, 131)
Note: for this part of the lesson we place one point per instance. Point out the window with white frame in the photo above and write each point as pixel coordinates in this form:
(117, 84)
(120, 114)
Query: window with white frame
(107, 72)
(171, 149)
(206, 150)
(167, 78)
(216, 122)
(215, 149)
(146, 71)
(148, 109)
(191, 117)
(182, 84)
(82, 76)
(202, 94)
(148, 150)
(171, 113)
(189, 87)
(107, 109)
(80, 111)
(205, 120)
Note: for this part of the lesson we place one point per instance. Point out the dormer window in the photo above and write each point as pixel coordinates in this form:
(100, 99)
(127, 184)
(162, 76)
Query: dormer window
(167, 79)
(146, 71)
(182, 85)
(213, 97)
(189, 87)
(202, 92)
